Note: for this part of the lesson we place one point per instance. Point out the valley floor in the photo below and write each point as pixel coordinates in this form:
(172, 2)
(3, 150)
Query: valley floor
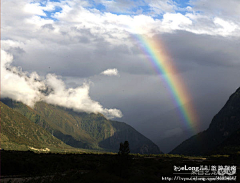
(27, 166)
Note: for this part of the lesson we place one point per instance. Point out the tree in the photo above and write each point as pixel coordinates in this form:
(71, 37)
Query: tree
(124, 160)
(124, 148)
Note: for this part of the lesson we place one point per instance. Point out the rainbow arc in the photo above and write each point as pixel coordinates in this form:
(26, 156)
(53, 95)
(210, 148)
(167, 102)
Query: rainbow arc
(164, 66)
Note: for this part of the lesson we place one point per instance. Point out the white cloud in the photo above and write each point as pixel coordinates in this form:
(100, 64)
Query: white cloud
(22, 24)
(76, 98)
(26, 87)
(38, 22)
(175, 21)
(222, 8)
(189, 8)
(16, 85)
(34, 9)
(163, 6)
(122, 6)
(110, 72)
(226, 28)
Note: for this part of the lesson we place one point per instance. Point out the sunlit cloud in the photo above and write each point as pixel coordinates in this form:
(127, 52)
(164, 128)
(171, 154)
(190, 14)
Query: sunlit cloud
(110, 72)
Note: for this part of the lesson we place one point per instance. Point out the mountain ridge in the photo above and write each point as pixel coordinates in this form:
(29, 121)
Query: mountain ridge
(225, 123)
(82, 130)
(19, 133)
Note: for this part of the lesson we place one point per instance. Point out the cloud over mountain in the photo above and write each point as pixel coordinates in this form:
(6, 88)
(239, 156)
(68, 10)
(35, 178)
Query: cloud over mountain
(29, 88)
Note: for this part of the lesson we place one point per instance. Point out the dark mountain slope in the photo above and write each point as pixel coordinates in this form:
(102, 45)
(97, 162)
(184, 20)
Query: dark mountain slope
(229, 146)
(223, 125)
(138, 142)
(19, 133)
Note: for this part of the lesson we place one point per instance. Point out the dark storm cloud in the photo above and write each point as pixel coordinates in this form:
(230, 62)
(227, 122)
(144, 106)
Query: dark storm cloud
(82, 60)
(187, 51)
(85, 31)
(16, 51)
(48, 26)
(193, 49)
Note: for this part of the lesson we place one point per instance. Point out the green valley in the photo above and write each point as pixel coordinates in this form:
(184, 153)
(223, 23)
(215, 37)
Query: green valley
(82, 130)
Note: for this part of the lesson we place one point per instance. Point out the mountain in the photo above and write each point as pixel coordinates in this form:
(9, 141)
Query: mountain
(222, 132)
(19, 133)
(168, 144)
(82, 130)
(229, 146)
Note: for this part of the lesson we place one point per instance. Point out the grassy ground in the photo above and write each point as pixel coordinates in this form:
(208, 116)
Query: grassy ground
(103, 167)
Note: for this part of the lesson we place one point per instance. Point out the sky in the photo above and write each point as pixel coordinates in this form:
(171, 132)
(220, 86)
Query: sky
(88, 56)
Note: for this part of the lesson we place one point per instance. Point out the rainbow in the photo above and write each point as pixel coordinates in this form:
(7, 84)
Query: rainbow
(163, 65)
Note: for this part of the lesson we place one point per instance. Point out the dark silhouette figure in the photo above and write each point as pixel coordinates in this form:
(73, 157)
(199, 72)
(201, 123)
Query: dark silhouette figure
(124, 148)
